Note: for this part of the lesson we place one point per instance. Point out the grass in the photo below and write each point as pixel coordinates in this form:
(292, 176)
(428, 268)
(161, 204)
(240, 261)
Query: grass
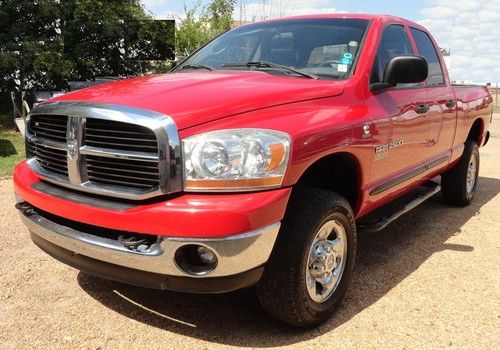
(496, 109)
(11, 146)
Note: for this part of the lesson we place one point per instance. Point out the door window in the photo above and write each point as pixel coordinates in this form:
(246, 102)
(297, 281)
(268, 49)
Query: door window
(394, 43)
(427, 50)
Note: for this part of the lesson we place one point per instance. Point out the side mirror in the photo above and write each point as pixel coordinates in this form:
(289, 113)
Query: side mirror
(403, 70)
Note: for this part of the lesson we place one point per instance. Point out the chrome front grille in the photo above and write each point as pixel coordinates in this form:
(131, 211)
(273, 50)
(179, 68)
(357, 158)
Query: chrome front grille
(104, 149)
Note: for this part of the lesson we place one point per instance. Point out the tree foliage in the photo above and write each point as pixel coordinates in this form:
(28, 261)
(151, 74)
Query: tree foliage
(202, 24)
(29, 39)
(44, 43)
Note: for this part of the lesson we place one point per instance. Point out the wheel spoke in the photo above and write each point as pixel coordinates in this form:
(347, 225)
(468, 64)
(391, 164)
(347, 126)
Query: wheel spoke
(338, 246)
(326, 230)
(311, 284)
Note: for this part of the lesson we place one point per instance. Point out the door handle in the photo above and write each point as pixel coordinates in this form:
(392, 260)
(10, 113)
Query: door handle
(450, 104)
(422, 109)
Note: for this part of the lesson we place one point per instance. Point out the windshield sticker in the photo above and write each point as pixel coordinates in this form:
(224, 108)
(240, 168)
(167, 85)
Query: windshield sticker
(353, 43)
(347, 61)
(348, 55)
(342, 68)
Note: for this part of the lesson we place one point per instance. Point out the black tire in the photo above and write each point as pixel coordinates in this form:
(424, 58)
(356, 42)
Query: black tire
(454, 186)
(282, 291)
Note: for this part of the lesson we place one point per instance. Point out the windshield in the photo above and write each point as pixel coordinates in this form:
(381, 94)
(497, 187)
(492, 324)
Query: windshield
(325, 48)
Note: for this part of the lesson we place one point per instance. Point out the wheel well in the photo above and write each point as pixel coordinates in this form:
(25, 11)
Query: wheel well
(338, 173)
(475, 131)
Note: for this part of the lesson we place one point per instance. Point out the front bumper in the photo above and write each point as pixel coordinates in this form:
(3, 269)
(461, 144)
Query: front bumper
(187, 215)
(240, 257)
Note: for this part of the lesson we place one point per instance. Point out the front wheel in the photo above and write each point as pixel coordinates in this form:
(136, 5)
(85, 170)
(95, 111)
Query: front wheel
(313, 259)
(458, 185)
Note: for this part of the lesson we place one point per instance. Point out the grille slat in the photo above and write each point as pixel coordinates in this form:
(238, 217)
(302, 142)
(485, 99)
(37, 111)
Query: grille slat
(51, 136)
(116, 145)
(104, 169)
(122, 176)
(118, 182)
(52, 127)
(105, 132)
(123, 164)
(107, 137)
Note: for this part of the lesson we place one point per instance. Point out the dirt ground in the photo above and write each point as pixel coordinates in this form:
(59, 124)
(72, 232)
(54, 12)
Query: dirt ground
(431, 280)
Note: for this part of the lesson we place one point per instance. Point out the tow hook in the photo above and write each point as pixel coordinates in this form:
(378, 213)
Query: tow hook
(25, 208)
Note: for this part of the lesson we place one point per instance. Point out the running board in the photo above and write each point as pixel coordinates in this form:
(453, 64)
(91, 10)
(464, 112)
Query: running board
(392, 211)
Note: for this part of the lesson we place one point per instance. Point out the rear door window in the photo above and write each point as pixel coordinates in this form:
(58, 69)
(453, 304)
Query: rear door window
(427, 50)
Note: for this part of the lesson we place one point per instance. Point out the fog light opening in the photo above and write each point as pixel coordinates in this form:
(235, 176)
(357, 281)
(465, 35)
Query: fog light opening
(195, 259)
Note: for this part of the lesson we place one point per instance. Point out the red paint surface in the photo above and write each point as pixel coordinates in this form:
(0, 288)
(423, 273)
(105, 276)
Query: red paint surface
(322, 117)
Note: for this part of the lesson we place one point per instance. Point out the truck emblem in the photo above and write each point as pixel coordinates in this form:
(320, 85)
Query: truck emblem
(72, 150)
(382, 151)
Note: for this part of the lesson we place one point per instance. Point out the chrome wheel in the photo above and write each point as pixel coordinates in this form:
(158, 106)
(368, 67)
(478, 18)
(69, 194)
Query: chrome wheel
(471, 174)
(326, 261)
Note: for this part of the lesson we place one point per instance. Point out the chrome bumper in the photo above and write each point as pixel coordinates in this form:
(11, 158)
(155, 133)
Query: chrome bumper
(235, 254)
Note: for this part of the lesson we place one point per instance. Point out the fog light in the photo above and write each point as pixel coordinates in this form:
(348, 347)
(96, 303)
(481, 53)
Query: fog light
(195, 259)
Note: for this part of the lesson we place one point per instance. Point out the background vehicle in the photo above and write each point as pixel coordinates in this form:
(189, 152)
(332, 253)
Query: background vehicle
(256, 161)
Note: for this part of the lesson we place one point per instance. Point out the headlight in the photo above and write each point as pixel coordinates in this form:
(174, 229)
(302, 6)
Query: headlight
(235, 160)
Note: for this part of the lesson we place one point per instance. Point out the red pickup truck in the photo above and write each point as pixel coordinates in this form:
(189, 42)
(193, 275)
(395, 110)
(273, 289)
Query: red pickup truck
(255, 161)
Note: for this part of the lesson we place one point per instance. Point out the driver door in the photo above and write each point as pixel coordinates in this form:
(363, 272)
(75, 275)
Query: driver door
(400, 116)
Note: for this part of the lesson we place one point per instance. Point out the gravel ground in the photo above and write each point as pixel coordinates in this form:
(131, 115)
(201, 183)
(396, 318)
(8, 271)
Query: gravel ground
(432, 280)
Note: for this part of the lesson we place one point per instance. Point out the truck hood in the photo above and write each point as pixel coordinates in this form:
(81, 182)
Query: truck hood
(200, 97)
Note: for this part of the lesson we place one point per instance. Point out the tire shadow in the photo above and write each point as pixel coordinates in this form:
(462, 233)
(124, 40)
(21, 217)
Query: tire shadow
(384, 260)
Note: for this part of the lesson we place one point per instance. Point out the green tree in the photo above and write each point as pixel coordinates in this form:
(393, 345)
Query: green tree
(202, 24)
(29, 45)
(44, 43)
(219, 14)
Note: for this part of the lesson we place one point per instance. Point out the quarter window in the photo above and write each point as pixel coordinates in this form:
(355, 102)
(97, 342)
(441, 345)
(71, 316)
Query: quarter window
(427, 50)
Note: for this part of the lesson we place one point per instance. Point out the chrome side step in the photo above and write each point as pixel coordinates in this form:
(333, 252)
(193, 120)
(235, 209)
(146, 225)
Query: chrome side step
(392, 211)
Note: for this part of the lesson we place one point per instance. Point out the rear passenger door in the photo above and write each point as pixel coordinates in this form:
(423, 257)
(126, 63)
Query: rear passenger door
(401, 125)
(440, 99)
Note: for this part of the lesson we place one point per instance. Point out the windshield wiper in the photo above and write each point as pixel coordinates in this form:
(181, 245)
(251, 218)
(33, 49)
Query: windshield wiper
(265, 64)
(196, 66)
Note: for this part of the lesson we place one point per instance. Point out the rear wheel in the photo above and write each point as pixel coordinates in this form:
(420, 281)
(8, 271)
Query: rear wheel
(312, 261)
(458, 185)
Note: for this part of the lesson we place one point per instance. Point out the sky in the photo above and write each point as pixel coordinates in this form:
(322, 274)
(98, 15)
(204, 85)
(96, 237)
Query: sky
(470, 29)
